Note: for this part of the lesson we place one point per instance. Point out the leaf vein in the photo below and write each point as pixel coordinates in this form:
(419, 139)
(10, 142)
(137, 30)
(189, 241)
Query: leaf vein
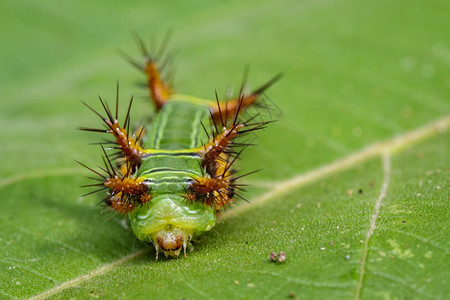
(402, 282)
(32, 271)
(196, 290)
(74, 249)
(422, 239)
(99, 271)
(33, 174)
(386, 160)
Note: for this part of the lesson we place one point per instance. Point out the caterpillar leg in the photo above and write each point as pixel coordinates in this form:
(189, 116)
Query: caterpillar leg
(227, 109)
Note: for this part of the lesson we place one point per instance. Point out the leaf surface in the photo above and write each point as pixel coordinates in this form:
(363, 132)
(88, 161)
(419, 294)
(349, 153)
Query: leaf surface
(354, 186)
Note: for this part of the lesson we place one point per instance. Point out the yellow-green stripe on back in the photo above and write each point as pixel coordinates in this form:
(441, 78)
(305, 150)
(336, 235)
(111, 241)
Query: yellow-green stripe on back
(178, 126)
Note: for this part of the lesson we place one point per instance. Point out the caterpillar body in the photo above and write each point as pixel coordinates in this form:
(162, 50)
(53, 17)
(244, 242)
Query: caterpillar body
(173, 175)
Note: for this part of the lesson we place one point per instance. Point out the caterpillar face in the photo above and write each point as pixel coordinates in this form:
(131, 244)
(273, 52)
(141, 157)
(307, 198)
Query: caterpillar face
(171, 176)
(171, 239)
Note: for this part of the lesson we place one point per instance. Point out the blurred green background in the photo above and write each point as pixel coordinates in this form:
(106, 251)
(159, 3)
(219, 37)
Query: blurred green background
(355, 72)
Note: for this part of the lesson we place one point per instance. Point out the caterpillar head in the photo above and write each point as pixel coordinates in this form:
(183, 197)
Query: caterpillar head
(171, 240)
(169, 222)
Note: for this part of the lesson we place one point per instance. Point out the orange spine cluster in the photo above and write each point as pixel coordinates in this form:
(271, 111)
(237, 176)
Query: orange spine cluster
(212, 191)
(130, 148)
(159, 90)
(214, 149)
(120, 204)
(130, 186)
(125, 192)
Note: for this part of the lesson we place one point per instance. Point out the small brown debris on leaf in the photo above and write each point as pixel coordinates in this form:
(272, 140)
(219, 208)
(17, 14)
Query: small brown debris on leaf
(273, 257)
(280, 257)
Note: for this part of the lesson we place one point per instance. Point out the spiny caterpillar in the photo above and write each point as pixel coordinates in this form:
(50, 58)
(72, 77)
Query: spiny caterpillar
(172, 176)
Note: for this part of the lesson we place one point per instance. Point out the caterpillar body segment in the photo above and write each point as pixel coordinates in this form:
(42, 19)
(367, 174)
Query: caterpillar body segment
(171, 176)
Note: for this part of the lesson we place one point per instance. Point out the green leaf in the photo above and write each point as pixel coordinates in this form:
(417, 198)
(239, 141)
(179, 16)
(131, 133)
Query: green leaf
(354, 187)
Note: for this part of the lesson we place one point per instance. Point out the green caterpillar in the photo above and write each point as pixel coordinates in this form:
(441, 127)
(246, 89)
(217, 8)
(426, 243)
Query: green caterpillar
(172, 187)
